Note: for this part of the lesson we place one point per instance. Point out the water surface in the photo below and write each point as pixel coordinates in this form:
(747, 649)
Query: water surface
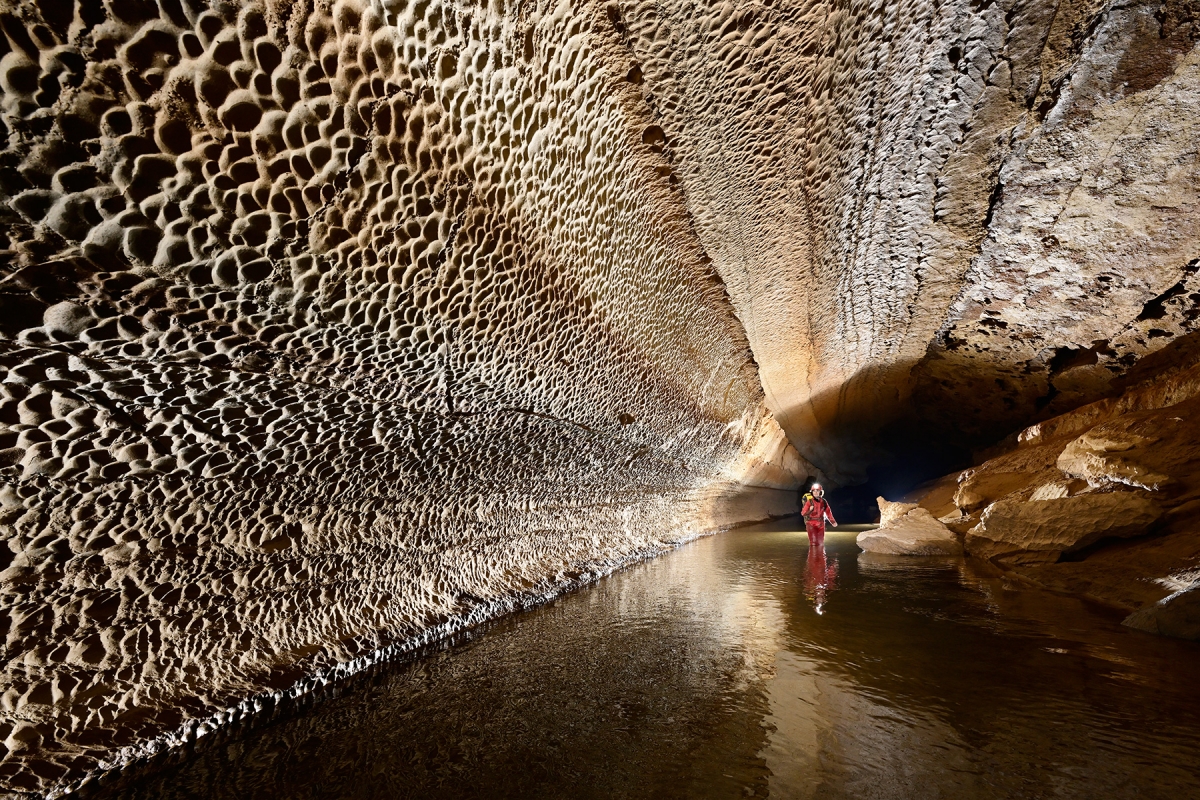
(742, 665)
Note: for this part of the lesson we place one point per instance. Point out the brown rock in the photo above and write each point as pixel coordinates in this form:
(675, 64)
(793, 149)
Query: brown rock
(1175, 615)
(908, 529)
(315, 328)
(1016, 531)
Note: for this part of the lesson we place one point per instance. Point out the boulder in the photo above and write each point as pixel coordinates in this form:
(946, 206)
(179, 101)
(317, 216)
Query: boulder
(1017, 531)
(892, 511)
(1175, 615)
(909, 530)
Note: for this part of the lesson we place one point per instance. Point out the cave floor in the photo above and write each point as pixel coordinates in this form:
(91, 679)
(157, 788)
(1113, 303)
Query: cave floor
(710, 673)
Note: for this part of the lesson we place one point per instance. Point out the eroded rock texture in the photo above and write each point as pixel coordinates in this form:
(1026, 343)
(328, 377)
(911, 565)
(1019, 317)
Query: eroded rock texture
(1100, 501)
(325, 325)
(942, 217)
(909, 529)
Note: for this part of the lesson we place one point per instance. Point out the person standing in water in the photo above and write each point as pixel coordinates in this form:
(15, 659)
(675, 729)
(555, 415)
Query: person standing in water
(816, 511)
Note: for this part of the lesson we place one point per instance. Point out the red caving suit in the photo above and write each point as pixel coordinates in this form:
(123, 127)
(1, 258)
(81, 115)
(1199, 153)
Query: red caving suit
(816, 511)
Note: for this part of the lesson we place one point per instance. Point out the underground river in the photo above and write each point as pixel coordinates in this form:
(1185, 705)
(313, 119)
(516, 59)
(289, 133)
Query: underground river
(739, 666)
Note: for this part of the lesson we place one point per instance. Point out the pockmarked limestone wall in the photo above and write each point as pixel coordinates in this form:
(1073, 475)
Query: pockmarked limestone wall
(938, 221)
(326, 327)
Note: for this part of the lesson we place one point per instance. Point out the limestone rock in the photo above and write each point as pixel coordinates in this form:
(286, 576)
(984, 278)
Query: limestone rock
(908, 529)
(1175, 615)
(959, 266)
(1154, 449)
(1018, 531)
(1017, 470)
(937, 495)
(979, 488)
(329, 326)
(889, 512)
(1150, 429)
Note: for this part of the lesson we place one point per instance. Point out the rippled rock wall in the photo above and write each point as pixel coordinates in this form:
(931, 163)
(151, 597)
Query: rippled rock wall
(326, 326)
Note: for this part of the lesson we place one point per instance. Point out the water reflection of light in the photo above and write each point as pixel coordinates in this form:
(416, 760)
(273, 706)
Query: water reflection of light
(820, 577)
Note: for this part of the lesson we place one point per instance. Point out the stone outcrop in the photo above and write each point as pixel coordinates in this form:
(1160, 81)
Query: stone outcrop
(1101, 501)
(329, 327)
(908, 529)
(1028, 530)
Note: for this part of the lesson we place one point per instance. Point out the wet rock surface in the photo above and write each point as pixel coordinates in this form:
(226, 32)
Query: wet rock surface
(327, 328)
(709, 673)
(1101, 501)
(909, 529)
(1031, 531)
(1177, 614)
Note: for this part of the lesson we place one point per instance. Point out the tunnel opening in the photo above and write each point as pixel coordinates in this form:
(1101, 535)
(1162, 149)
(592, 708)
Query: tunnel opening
(912, 459)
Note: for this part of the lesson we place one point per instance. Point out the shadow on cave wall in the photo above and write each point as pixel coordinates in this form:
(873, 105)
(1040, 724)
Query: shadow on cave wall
(875, 433)
(890, 429)
(936, 425)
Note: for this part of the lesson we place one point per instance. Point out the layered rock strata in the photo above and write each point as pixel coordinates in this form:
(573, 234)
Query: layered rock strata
(1101, 501)
(324, 327)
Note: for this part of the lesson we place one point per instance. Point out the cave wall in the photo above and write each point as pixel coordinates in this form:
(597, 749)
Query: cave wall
(326, 327)
(331, 325)
(944, 220)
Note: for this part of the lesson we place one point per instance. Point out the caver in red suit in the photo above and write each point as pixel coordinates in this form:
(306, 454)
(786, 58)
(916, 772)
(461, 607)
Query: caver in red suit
(816, 512)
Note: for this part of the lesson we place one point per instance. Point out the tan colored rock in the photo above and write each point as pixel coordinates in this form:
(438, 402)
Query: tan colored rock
(972, 263)
(332, 327)
(937, 495)
(1155, 448)
(325, 326)
(1148, 430)
(909, 529)
(889, 512)
(980, 488)
(1016, 531)
(1175, 615)
(1098, 457)
(1016, 470)
(1056, 490)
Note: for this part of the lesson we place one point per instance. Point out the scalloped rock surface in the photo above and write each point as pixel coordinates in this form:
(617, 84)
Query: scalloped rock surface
(947, 217)
(329, 326)
(326, 328)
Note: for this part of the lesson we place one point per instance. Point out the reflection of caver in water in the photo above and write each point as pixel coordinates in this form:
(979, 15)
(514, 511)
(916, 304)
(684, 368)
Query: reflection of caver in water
(815, 512)
(820, 577)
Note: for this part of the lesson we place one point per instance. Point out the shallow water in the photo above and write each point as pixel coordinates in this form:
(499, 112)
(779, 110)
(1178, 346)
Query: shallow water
(709, 672)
